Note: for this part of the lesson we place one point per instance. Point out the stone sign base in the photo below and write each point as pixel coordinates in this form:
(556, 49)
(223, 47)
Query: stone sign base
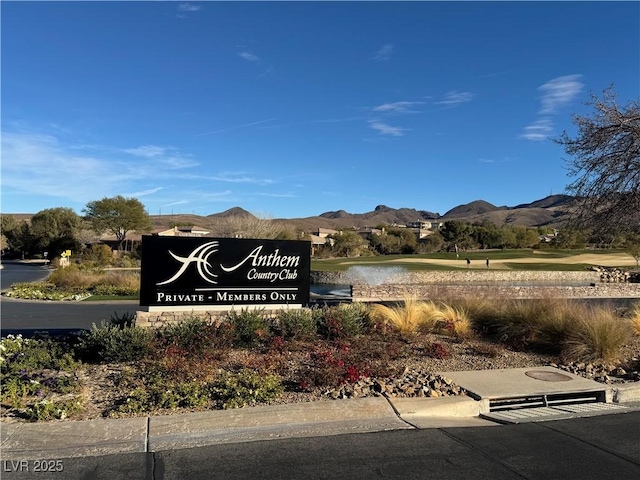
(160, 316)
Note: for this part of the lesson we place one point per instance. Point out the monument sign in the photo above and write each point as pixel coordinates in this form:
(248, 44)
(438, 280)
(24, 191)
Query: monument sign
(199, 272)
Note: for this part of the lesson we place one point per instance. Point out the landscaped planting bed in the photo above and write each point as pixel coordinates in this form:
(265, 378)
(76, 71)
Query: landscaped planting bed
(345, 351)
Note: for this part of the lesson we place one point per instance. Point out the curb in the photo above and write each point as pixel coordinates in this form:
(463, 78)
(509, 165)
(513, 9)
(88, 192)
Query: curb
(625, 393)
(66, 439)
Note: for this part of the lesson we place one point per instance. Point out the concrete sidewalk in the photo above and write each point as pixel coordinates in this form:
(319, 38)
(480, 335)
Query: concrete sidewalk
(67, 439)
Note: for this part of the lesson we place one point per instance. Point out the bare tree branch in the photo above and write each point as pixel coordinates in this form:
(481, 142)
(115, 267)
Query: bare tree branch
(606, 165)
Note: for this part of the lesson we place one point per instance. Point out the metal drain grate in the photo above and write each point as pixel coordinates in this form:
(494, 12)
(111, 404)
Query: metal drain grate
(538, 414)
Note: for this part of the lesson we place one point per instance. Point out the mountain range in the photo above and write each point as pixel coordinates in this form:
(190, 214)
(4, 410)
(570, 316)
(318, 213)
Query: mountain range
(549, 211)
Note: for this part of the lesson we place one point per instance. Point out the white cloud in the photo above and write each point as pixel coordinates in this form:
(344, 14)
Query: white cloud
(167, 157)
(178, 202)
(397, 107)
(235, 127)
(37, 164)
(143, 193)
(42, 165)
(385, 129)
(230, 177)
(148, 151)
(278, 195)
(384, 52)
(539, 130)
(250, 57)
(559, 92)
(188, 7)
(556, 94)
(217, 196)
(456, 98)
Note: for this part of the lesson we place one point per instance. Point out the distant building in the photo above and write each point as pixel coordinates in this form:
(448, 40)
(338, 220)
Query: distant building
(182, 231)
(426, 224)
(324, 232)
(368, 232)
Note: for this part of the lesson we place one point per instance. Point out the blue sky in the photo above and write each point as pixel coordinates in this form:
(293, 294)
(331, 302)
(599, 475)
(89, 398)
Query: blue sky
(292, 109)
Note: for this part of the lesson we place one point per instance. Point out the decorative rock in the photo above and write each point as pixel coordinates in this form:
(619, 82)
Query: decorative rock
(410, 384)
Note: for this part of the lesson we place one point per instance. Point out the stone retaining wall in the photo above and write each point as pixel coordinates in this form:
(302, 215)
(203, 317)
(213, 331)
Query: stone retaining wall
(457, 276)
(363, 292)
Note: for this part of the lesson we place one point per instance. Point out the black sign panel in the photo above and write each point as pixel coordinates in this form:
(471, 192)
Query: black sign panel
(179, 271)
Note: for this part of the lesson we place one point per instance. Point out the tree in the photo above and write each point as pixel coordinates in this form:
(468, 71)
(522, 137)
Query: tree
(18, 235)
(247, 226)
(606, 161)
(431, 243)
(118, 215)
(526, 237)
(632, 245)
(458, 233)
(394, 240)
(486, 234)
(55, 230)
(348, 243)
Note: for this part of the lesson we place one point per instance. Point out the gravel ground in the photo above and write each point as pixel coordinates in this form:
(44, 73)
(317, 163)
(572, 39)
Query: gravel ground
(413, 374)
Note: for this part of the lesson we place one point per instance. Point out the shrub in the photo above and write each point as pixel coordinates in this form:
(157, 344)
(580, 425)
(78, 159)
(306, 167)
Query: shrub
(114, 291)
(20, 354)
(127, 319)
(99, 253)
(33, 372)
(113, 344)
(409, 318)
(297, 324)
(159, 392)
(345, 320)
(246, 387)
(344, 363)
(195, 336)
(53, 410)
(39, 291)
(437, 350)
(167, 394)
(597, 336)
(126, 261)
(250, 326)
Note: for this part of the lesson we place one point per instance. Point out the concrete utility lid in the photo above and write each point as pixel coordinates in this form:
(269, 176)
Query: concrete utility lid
(521, 382)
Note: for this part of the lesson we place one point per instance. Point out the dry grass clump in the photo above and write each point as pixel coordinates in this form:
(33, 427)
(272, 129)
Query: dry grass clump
(74, 277)
(129, 280)
(634, 318)
(454, 321)
(96, 280)
(478, 308)
(409, 318)
(577, 331)
(415, 316)
(598, 335)
(523, 323)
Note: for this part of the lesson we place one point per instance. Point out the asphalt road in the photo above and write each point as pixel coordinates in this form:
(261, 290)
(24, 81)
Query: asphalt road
(26, 317)
(600, 447)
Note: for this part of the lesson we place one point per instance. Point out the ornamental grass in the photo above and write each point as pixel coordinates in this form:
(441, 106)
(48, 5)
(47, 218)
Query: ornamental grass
(634, 318)
(597, 335)
(410, 317)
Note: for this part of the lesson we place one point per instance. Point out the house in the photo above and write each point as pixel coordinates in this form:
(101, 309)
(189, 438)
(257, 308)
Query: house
(368, 232)
(182, 231)
(324, 232)
(426, 224)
